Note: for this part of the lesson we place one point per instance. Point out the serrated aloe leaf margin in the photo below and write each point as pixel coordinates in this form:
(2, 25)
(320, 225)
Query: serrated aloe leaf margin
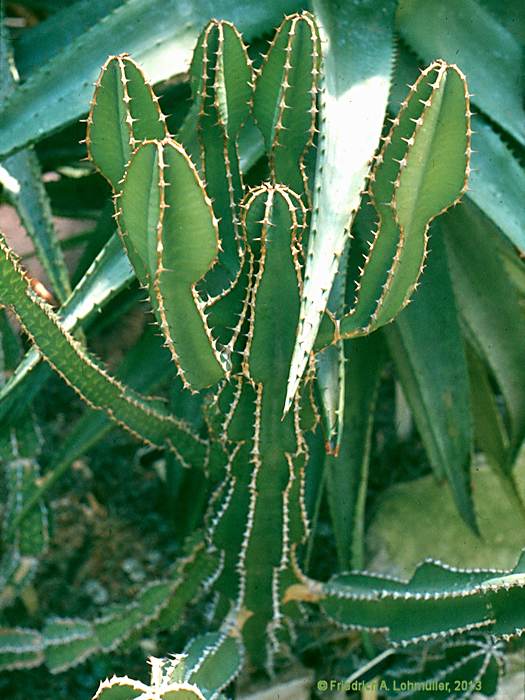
(357, 48)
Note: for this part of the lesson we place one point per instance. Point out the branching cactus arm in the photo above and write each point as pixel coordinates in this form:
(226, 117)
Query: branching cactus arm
(124, 111)
(222, 85)
(426, 157)
(224, 272)
(438, 601)
(285, 99)
(143, 417)
(169, 221)
(66, 642)
(421, 171)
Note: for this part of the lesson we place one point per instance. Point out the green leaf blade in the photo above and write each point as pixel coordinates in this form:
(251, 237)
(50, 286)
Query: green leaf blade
(357, 47)
(437, 390)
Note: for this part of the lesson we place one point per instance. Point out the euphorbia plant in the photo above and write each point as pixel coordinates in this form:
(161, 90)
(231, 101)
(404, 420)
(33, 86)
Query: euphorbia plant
(224, 270)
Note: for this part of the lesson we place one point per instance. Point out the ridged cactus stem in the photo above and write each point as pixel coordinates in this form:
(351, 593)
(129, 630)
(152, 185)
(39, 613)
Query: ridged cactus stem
(123, 112)
(285, 100)
(224, 270)
(26, 541)
(421, 171)
(438, 601)
(144, 418)
(168, 219)
(66, 642)
(222, 80)
(264, 481)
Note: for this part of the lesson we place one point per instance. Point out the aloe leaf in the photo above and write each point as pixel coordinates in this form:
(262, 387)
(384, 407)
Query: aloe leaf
(514, 267)
(357, 48)
(144, 418)
(437, 390)
(347, 473)
(420, 172)
(59, 91)
(508, 15)
(330, 367)
(109, 273)
(497, 182)
(330, 371)
(107, 276)
(489, 431)
(492, 315)
(36, 45)
(456, 31)
(21, 179)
